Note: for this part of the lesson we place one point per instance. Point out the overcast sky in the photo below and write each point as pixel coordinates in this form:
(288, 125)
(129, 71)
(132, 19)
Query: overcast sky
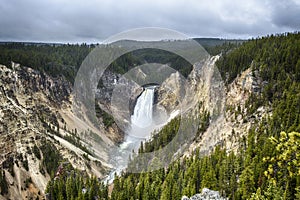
(95, 20)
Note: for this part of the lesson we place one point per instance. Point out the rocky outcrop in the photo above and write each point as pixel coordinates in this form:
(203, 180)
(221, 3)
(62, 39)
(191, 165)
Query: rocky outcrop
(206, 194)
(106, 86)
(29, 81)
(171, 93)
(117, 94)
(232, 120)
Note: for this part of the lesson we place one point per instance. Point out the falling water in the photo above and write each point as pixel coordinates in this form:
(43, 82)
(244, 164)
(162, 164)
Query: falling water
(142, 115)
(141, 127)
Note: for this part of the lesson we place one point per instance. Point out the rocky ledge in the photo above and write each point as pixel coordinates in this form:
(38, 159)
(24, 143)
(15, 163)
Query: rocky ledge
(206, 194)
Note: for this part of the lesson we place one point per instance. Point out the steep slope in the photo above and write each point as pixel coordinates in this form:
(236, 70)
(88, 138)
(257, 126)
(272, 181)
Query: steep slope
(38, 131)
(235, 122)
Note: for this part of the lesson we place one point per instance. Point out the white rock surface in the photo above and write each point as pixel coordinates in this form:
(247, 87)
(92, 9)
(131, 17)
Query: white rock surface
(206, 194)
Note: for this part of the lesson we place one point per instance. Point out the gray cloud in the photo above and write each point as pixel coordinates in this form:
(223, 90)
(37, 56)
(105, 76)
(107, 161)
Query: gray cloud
(95, 20)
(287, 14)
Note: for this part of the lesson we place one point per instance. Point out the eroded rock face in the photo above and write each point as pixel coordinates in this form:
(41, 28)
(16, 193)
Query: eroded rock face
(227, 105)
(206, 194)
(106, 86)
(36, 108)
(28, 100)
(27, 80)
(171, 93)
(117, 95)
(28, 97)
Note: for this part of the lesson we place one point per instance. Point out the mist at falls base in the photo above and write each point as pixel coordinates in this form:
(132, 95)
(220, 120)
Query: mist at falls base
(143, 123)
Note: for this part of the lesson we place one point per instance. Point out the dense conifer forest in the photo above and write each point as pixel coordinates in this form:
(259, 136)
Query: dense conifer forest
(65, 59)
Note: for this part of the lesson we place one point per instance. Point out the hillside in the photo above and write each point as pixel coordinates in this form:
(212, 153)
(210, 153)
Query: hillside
(39, 133)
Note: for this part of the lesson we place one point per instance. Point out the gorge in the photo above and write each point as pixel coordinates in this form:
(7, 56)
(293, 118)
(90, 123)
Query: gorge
(48, 151)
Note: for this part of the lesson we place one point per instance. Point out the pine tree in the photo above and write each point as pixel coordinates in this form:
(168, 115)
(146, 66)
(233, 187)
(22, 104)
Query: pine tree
(209, 180)
(246, 183)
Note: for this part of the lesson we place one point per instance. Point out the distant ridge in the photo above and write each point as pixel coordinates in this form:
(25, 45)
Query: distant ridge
(217, 41)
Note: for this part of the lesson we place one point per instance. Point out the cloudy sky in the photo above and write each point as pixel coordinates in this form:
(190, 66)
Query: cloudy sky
(95, 20)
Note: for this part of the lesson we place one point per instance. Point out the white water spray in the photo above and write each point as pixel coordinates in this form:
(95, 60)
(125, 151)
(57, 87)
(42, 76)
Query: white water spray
(143, 110)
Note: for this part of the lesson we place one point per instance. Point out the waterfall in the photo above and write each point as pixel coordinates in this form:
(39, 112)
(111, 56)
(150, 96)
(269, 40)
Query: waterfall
(141, 127)
(142, 115)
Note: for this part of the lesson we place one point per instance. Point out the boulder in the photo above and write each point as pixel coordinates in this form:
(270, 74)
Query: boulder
(206, 194)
